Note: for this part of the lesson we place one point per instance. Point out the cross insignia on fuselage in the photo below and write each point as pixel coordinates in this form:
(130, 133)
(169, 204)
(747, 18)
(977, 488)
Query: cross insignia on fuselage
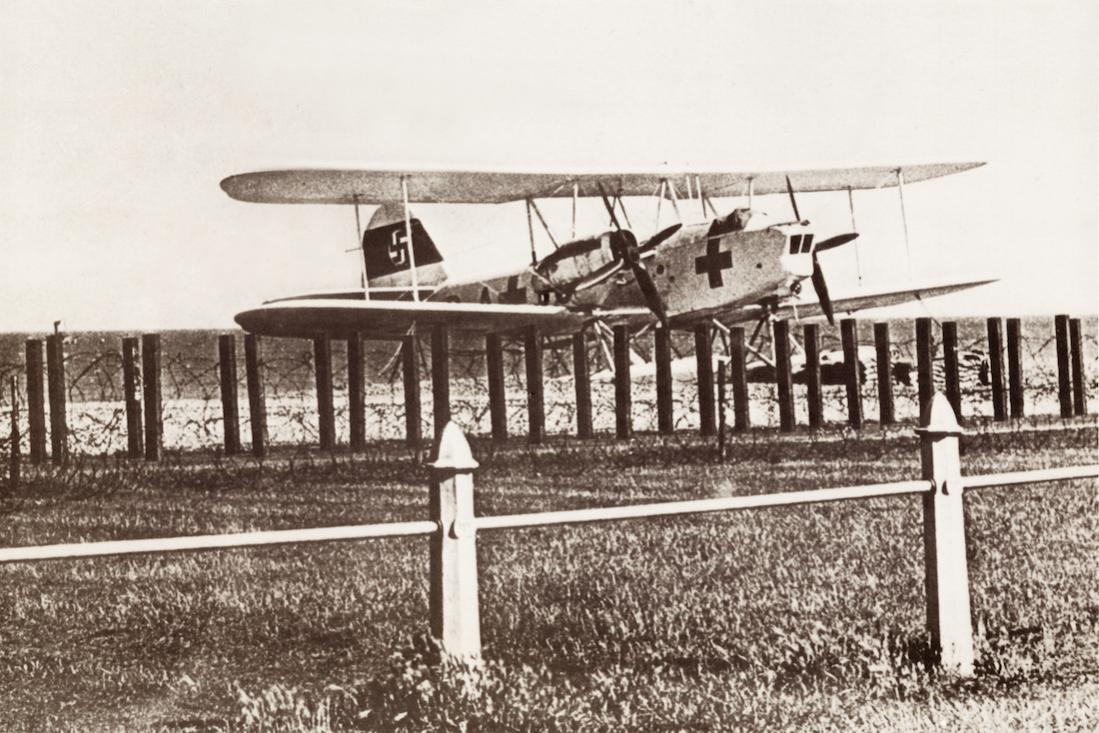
(514, 294)
(713, 262)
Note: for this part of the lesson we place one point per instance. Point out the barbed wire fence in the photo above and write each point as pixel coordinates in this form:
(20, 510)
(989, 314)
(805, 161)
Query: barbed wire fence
(192, 412)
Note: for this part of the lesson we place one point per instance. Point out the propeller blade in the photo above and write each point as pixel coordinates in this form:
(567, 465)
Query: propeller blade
(655, 240)
(833, 242)
(821, 288)
(793, 200)
(610, 208)
(653, 299)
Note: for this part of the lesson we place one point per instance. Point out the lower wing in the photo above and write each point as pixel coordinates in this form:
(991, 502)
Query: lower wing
(388, 319)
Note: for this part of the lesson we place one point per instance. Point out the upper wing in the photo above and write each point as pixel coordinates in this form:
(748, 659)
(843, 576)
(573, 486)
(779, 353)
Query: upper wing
(388, 319)
(329, 186)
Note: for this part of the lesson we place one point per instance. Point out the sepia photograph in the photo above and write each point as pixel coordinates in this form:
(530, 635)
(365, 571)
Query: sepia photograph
(370, 365)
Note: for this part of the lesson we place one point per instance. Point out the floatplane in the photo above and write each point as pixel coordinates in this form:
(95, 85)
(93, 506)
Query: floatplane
(737, 267)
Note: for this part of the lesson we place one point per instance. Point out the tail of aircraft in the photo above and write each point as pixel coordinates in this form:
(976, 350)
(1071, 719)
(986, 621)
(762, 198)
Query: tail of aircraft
(386, 255)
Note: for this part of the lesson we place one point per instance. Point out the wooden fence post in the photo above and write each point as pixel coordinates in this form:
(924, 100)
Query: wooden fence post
(36, 402)
(1076, 353)
(151, 395)
(623, 399)
(705, 378)
(722, 367)
(884, 355)
(131, 379)
(326, 411)
(536, 394)
(662, 356)
(783, 377)
(454, 609)
(1064, 379)
(497, 388)
(738, 373)
(15, 456)
(410, 372)
(356, 393)
(946, 577)
(581, 374)
(1015, 366)
(440, 379)
(951, 377)
(257, 397)
(925, 377)
(849, 335)
(55, 383)
(996, 368)
(230, 411)
(814, 393)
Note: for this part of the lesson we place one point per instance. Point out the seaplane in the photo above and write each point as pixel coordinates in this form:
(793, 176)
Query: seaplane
(737, 267)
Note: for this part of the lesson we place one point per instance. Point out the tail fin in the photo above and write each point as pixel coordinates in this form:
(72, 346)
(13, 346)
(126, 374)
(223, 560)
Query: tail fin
(386, 255)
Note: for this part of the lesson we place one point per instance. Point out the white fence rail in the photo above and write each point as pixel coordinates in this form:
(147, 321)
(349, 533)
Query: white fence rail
(454, 606)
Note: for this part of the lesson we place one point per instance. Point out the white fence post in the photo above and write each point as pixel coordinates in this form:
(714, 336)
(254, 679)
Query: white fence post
(455, 614)
(946, 577)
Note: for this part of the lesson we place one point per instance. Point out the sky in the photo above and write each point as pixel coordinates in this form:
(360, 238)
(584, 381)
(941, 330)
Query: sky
(120, 118)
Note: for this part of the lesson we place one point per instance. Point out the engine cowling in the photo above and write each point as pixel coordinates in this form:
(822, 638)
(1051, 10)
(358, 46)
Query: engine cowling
(578, 265)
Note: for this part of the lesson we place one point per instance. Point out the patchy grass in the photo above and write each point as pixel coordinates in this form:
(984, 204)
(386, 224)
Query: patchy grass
(805, 618)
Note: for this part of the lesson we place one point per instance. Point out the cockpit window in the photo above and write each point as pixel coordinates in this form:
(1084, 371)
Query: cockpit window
(801, 243)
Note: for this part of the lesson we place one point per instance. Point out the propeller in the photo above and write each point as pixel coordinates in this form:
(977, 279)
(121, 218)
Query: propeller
(793, 199)
(657, 239)
(819, 284)
(632, 257)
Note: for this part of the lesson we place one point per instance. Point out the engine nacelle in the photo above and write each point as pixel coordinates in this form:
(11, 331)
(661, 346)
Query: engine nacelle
(578, 265)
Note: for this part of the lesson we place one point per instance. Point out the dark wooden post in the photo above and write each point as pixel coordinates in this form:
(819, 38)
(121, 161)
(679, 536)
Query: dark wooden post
(356, 393)
(1076, 352)
(623, 403)
(884, 355)
(257, 397)
(131, 378)
(738, 374)
(662, 356)
(1064, 379)
(705, 375)
(996, 368)
(925, 378)
(326, 411)
(55, 383)
(536, 396)
(783, 376)
(36, 402)
(151, 393)
(410, 369)
(497, 389)
(722, 368)
(849, 335)
(1015, 366)
(581, 374)
(814, 393)
(15, 458)
(950, 367)
(230, 411)
(440, 378)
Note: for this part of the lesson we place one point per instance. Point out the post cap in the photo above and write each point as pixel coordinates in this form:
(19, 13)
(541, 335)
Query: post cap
(454, 453)
(938, 418)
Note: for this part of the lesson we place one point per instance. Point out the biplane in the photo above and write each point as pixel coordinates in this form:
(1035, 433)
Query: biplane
(740, 266)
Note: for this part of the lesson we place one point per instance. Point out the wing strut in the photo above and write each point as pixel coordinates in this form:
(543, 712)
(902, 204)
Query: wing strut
(675, 200)
(359, 249)
(659, 201)
(542, 219)
(904, 220)
(530, 228)
(851, 205)
(575, 196)
(408, 235)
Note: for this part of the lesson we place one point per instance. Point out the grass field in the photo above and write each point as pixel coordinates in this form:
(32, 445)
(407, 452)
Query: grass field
(807, 618)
